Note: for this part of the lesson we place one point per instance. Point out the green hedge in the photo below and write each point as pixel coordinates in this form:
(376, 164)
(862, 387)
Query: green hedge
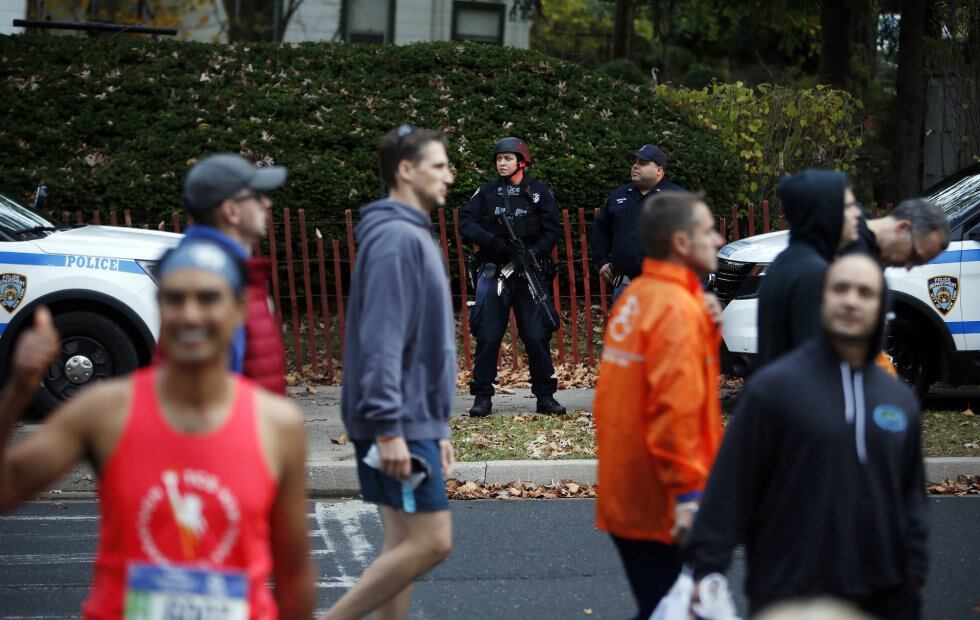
(777, 130)
(114, 123)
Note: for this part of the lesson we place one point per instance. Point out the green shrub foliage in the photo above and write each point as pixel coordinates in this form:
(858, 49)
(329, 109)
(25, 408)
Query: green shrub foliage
(777, 130)
(114, 123)
(624, 70)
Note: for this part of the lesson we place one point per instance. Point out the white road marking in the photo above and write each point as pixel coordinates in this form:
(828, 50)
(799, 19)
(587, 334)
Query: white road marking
(348, 514)
(309, 515)
(50, 518)
(47, 558)
(320, 511)
(338, 582)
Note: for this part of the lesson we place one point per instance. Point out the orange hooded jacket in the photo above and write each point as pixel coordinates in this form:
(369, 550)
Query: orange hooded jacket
(657, 414)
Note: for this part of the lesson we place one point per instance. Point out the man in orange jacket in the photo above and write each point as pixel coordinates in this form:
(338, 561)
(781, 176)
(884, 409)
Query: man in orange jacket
(657, 413)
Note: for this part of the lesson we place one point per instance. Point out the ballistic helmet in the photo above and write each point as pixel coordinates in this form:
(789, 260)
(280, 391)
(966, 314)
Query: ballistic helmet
(515, 146)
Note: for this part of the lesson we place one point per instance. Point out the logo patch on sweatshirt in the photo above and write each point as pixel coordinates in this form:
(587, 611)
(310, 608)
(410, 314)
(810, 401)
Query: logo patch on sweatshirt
(944, 291)
(890, 418)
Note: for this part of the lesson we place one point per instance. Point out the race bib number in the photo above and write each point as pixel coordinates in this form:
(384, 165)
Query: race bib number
(173, 593)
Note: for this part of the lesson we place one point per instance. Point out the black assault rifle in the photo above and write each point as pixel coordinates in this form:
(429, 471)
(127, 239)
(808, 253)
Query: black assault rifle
(527, 263)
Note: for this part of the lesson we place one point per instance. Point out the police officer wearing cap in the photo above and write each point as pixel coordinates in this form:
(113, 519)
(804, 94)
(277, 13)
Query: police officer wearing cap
(616, 245)
(534, 214)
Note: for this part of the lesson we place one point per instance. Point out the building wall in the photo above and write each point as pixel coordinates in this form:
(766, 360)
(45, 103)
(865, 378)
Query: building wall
(413, 21)
(9, 11)
(315, 20)
(204, 23)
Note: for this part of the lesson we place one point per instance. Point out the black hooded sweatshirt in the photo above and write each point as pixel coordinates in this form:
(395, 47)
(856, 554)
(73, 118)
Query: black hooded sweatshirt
(789, 299)
(820, 475)
(867, 241)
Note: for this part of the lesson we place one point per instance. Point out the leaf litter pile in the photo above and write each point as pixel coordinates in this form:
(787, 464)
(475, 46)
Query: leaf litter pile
(519, 490)
(962, 486)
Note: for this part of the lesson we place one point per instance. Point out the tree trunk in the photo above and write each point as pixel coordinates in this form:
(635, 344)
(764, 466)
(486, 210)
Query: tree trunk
(835, 42)
(909, 110)
(623, 30)
(864, 19)
(974, 55)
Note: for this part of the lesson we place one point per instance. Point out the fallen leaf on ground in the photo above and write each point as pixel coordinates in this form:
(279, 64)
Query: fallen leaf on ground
(969, 413)
(341, 440)
(963, 485)
(519, 490)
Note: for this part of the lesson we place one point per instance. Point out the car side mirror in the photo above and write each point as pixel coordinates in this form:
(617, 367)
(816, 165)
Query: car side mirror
(40, 198)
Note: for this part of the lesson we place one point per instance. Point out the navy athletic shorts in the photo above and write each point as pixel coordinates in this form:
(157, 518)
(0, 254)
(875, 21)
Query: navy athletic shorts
(378, 488)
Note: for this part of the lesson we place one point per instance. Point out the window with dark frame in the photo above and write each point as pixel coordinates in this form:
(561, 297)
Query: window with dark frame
(478, 22)
(369, 21)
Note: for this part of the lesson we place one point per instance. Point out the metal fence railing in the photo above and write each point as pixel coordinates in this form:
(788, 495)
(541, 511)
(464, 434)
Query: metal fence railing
(311, 279)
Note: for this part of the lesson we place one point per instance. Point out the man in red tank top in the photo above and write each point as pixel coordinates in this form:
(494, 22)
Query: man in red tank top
(201, 474)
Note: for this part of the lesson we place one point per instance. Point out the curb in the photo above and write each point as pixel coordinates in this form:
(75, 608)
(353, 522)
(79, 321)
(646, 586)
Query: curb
(333, 478)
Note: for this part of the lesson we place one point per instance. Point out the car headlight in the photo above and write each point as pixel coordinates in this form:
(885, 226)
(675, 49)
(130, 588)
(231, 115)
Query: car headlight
(150, 267)
(753, 280)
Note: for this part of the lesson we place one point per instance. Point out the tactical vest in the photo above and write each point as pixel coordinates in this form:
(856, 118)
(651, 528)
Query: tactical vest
(523, 210)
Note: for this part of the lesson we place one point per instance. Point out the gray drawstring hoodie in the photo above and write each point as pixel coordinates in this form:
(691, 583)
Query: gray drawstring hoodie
(400, 346)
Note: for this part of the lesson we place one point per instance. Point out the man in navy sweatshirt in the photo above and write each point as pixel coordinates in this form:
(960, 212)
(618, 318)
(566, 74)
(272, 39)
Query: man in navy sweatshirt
(820, 473)
(400, 372)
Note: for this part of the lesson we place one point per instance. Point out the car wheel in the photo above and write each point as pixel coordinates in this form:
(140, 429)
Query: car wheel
(92, 348)
(909, 354)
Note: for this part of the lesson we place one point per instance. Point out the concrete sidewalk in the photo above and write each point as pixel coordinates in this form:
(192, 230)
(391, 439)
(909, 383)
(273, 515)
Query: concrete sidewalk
(331, 470)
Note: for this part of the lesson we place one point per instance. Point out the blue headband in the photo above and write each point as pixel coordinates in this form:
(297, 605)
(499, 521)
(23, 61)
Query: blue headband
(204, 256)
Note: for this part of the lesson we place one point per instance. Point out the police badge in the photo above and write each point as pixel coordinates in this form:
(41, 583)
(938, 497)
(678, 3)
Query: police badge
(12, 289)
(944, 291)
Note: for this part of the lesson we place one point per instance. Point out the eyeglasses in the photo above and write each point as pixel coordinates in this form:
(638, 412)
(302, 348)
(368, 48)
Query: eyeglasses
(915, 257)
(251, 195)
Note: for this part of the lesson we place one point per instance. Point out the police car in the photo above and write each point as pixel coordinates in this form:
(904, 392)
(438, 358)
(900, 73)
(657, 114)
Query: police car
(98, 282)
(934, 334)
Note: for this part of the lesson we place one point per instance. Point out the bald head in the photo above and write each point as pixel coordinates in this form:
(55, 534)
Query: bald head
(853, 293)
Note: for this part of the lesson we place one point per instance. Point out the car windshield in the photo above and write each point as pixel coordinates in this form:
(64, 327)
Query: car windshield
(16, 218)
(957, 194)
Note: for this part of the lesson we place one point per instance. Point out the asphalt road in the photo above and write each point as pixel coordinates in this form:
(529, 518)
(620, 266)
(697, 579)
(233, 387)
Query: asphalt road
(512, 559)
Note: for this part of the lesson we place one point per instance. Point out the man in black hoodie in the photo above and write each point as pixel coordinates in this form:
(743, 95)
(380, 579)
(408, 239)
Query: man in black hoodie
(822, 214)
(820, 473)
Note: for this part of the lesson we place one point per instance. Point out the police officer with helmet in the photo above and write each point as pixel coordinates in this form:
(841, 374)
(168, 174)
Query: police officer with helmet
(533, 213)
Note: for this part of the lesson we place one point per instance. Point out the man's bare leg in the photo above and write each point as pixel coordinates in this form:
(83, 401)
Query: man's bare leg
(395, 533)
(427, 542)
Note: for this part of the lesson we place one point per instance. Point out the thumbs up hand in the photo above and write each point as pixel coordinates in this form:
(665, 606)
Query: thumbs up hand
(36, 348)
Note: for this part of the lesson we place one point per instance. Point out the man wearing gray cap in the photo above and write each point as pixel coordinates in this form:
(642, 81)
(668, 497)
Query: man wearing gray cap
(225, 194)
(617, 249)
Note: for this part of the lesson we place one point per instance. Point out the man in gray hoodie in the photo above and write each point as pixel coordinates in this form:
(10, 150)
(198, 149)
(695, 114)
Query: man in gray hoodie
(400, 373)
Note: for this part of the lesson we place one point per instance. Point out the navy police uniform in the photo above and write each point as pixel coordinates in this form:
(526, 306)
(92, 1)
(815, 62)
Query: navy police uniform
(616, 232)
(534, 215)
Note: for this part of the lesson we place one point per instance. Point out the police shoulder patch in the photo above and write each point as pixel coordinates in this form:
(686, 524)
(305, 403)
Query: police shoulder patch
(13, 287)
(943, 291)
